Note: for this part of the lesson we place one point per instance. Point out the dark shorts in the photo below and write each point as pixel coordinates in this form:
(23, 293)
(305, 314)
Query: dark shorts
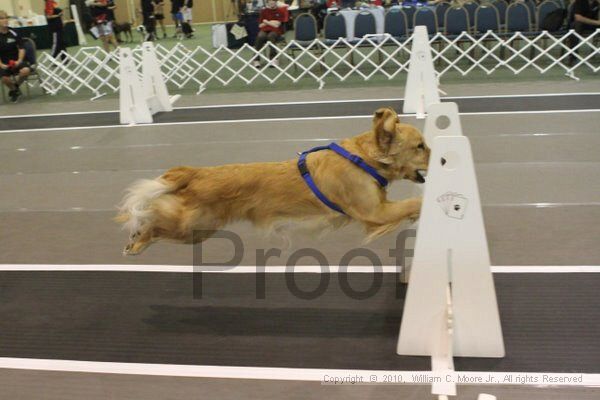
(159, 17)
(15, 71)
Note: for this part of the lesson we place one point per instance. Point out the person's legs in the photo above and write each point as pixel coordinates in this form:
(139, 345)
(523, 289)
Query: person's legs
(7, 81)
(105, 43)
(55, 47)
(13, 90)
(188, 15)
(583, 30)
(110, 35)
(23, 74)
(112, 39)
(161, 22)
(62, 47)
(259, 43)
(272, 37)
(104, 33)
(150, 24)
(12, 79)
(58, 45)
(177, 24)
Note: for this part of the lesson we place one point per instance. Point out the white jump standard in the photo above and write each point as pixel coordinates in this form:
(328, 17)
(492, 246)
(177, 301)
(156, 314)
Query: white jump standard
(138, 101)
(422, 83)
(450, 308)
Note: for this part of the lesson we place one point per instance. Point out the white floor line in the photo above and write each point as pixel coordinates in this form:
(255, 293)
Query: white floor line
(262, 120)
(390, 99)
(58, 114)
(250, 269)
(522, 95)
(146, 126)
(531, 112)
(325, 376)
(318, 102)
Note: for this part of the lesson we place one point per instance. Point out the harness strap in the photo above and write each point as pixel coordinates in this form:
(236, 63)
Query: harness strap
(360, 162)
(347, 155)
(309, 180)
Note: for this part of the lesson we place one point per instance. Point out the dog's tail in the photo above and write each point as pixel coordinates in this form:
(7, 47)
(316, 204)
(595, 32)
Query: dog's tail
(135, 210)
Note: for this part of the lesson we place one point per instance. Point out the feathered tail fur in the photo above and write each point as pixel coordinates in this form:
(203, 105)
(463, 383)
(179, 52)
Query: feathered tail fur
(135, 211)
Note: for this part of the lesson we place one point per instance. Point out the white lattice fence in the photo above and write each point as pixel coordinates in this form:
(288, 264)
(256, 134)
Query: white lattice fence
(92, 69)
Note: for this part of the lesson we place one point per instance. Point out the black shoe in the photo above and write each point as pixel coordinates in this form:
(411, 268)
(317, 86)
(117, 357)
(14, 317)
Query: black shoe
(14, 95)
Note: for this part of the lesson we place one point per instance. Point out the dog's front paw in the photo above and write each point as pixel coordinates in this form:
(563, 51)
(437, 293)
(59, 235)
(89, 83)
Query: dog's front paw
(414, 217)
(415, 209)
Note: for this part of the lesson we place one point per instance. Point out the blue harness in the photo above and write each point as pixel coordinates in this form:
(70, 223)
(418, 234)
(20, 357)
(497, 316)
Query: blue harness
(347, 155)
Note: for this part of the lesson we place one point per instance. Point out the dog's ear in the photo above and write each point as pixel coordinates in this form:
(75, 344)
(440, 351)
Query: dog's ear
(384, 128)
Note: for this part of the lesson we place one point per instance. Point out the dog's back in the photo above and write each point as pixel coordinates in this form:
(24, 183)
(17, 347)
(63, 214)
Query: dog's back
(122, 27)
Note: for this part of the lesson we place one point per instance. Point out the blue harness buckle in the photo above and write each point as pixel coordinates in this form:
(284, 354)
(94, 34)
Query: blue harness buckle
(303, 168)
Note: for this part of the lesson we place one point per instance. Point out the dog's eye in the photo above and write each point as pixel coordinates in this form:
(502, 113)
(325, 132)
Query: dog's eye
(421, 146)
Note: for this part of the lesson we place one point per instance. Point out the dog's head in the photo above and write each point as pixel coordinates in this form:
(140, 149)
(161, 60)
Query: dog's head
(401, 147)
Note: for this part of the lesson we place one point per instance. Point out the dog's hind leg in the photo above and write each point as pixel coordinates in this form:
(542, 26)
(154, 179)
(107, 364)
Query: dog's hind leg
(138, 243)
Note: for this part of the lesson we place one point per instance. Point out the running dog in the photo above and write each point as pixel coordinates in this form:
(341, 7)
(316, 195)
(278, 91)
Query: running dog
(187, 205)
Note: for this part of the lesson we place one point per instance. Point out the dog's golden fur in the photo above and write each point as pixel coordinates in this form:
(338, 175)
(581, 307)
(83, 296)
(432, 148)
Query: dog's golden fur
(186, 199)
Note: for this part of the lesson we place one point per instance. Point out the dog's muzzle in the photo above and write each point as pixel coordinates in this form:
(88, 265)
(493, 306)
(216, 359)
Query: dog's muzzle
(420, 175)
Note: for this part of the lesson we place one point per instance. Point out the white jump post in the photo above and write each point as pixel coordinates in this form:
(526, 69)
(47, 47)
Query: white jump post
(446, 111)
(132, 102)
(140, 100)
(157, 95)
(421, 85)
(450, 307)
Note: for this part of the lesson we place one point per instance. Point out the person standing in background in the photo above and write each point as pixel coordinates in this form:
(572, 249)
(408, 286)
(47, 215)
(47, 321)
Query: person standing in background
(110, 14)
(176, 6)
(55, 26)
(187, 11)
(159, 16)
(186, 16)
(149, 20)
(102, 26)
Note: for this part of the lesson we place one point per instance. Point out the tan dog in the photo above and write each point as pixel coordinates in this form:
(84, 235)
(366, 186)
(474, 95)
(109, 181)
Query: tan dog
(186, 199)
